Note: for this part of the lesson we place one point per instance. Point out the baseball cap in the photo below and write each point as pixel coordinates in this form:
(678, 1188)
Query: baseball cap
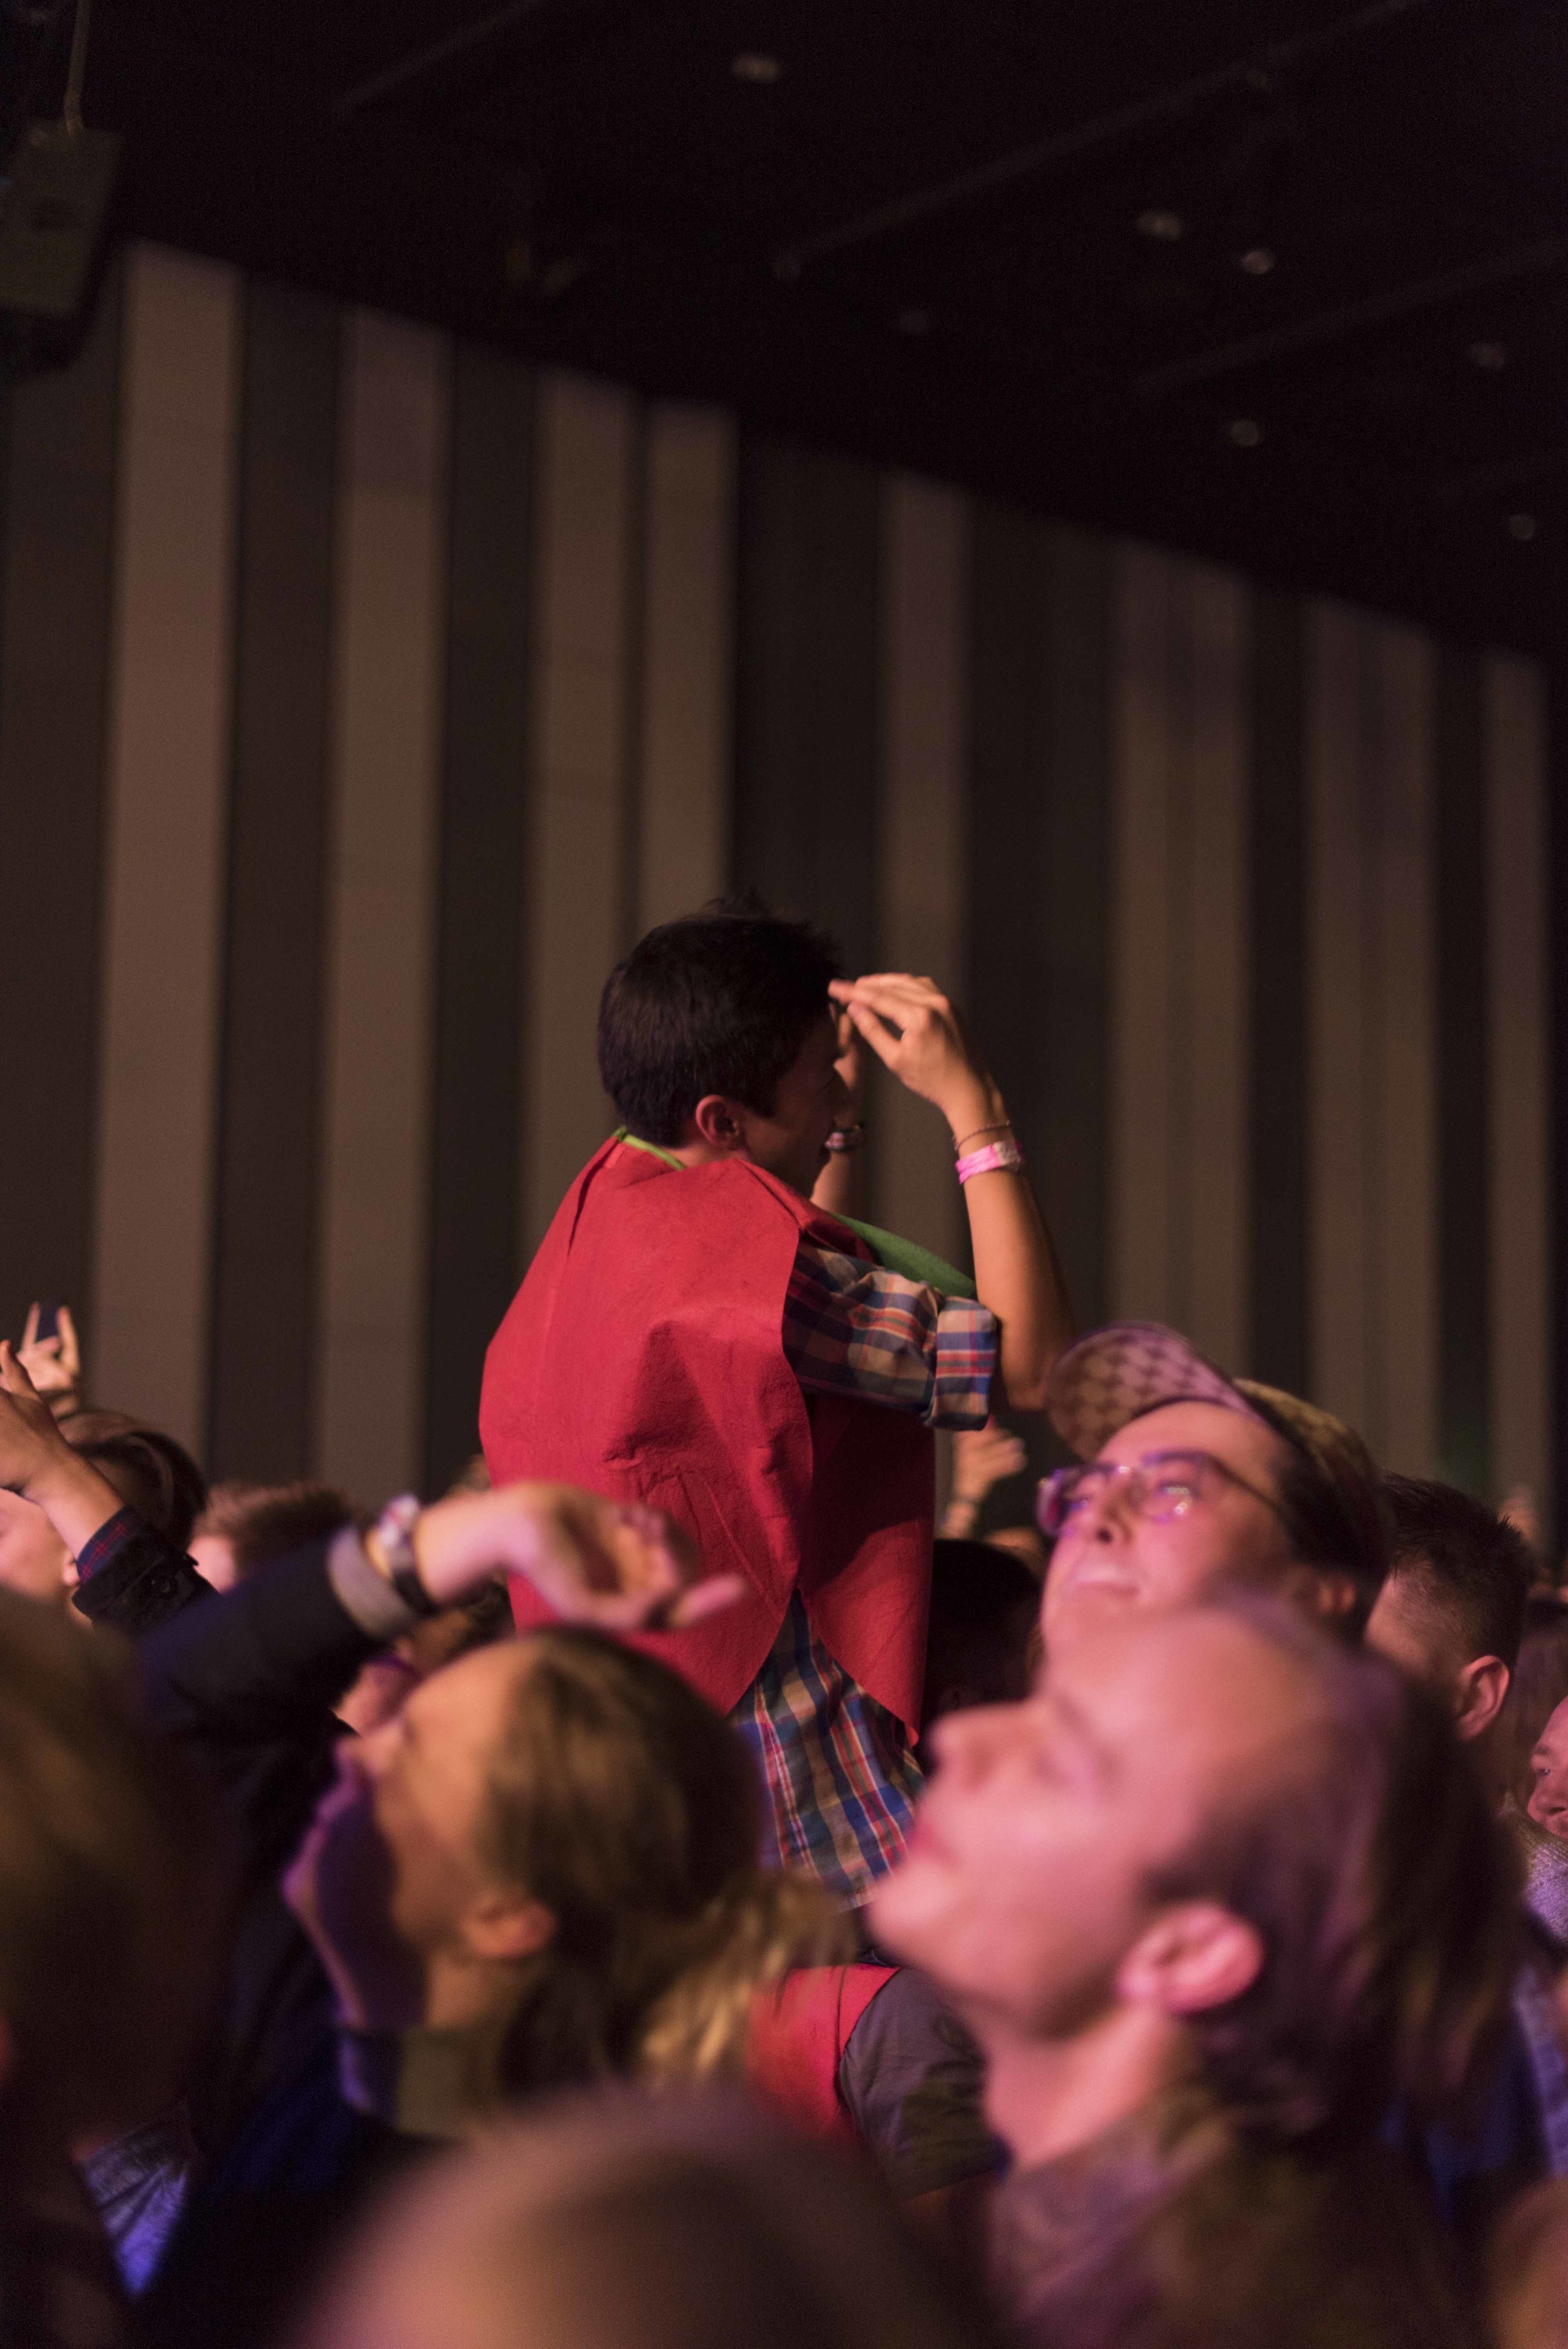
(1117, 1374)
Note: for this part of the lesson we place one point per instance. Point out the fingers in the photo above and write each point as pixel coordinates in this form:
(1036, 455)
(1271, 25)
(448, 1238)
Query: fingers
(70, 1345)
(878, 1034)
(30, 1327)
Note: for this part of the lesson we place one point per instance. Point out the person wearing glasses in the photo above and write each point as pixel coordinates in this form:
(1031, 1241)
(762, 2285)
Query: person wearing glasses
(1188, 1481)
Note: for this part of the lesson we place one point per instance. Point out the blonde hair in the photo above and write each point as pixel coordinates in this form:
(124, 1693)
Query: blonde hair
(630, 1810)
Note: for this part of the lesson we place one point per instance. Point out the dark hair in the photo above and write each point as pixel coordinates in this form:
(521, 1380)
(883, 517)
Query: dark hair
(984, 1602)
(1468, 1568)
(152, 1474)
(261, 1521)
(1539, 1685)
(628, 1807)
(720, 1002)
(1385, 1894)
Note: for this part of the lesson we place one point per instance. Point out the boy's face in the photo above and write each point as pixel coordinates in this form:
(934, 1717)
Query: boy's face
(791, 1141)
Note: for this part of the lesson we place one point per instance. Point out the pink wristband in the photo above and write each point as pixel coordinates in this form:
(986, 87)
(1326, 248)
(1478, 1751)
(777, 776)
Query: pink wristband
(1003, 1157)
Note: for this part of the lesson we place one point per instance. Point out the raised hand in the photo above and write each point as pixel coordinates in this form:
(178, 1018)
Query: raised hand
(915, 1031)
(52, 1364)
(612, 1564)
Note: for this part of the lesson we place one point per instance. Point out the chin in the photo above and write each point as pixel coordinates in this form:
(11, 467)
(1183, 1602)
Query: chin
(911, 1912)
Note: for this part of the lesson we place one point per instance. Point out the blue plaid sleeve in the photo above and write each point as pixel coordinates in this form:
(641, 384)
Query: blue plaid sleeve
(856, 1329)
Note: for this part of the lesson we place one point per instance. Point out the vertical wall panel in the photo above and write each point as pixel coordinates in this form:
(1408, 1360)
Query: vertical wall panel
(476, 1131)
(578, 805)
(1040, 617)
(1405, 1076)
(388, 594)
(1276, 994)
(57, 512)
(1373, 1029)
(1340, 1012)
(1519, 1304)
(1145, 1208)
(1463, 945)
(923, 881)
(268, 1179)
(1180, 1158)
(1215, 1122)
(807, 706)
(167, 769)
(683, 831)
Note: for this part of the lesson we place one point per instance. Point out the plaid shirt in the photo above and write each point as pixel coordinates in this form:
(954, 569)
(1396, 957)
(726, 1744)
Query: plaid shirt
(839, 1772)
(841, 1775)
(855, 1329)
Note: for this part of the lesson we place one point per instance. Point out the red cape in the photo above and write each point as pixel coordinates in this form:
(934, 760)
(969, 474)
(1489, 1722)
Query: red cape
(643, 1357)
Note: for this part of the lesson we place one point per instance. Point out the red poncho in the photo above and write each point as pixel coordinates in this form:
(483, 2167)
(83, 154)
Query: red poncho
(643, 1357)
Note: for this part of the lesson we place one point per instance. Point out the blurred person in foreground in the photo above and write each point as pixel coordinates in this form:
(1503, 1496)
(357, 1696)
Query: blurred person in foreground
(703, 1330)
(1212, 1899)
(109, 1888)
(618, 2223)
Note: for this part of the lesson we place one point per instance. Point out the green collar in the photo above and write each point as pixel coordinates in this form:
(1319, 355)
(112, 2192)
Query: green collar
(895, 1255)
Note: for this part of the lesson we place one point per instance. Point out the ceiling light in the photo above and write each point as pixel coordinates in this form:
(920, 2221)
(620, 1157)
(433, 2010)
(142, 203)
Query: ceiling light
(1164, 227)
(1522, 525)
(1257, 260)
(754, 65)
(1488, 356)
(1246, 433)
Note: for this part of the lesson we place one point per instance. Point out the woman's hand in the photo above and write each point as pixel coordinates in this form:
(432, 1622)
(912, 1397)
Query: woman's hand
(612, 1564)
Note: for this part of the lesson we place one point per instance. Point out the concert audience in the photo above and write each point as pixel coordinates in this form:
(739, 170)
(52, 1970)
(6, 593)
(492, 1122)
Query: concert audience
(1195, 1970)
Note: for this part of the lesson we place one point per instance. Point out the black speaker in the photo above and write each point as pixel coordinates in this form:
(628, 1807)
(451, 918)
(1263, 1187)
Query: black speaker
(52, 212)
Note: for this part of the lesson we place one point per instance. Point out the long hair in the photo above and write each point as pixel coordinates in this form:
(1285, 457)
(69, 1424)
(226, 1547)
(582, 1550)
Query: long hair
(1386, 1896)
(629, 1809)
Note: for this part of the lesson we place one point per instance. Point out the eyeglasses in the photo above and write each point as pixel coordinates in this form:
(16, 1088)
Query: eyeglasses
(1162, 1485)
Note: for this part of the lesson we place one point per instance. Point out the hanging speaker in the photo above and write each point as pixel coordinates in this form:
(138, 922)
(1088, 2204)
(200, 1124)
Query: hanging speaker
(52, 212)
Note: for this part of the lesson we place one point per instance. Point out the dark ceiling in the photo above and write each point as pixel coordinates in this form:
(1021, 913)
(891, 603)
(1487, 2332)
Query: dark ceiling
(1282, 281)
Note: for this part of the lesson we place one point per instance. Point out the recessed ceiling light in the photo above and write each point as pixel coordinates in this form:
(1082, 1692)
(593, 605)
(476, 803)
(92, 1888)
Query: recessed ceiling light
(915, 322)
(1488, 356)
(1165, 228)
(1246, 433)
(754, 65)
(1522, 525)
(1257, 260)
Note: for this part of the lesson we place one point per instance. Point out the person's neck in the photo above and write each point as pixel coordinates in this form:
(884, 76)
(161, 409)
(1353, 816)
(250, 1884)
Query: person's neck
(1048, 2096)
(461, 1992)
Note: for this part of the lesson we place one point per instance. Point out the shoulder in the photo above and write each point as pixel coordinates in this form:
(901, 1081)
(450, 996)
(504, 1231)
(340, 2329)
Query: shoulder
(913, 2081)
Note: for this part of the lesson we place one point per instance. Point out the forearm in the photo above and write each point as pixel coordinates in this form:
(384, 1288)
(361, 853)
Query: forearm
(1016, 1271)
(840, 1188)
(75, 1498)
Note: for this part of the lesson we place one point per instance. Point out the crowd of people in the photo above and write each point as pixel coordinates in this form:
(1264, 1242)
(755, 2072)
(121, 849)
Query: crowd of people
(677, 1887)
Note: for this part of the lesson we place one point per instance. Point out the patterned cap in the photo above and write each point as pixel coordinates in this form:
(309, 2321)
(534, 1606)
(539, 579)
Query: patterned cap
(1118, 1374)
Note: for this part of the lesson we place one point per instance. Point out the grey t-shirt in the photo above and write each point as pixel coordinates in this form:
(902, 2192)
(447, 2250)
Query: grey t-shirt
(911, 2080)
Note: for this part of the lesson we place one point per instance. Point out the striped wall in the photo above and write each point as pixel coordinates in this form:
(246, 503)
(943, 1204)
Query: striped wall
(362, 696)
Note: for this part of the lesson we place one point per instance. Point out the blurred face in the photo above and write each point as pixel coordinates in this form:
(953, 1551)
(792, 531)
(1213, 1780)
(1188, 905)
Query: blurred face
(399, 1836)
(212, 1555)
(791, 1141)
(33, 1560)
(1111, 1561)
(1025, 1883)
(1548, 1805)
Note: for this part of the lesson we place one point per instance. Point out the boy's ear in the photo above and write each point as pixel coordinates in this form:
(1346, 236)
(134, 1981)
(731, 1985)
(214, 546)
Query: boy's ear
(717, 1124)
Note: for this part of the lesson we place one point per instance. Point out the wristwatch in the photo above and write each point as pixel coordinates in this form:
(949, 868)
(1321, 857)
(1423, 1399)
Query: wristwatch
(389, 1546)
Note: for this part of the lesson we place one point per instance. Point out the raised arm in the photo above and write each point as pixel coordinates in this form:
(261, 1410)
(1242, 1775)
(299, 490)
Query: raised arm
(914, 1030)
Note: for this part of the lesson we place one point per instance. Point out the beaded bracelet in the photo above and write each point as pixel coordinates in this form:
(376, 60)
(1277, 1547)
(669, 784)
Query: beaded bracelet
(1003, 1157)
(1003, 1125)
